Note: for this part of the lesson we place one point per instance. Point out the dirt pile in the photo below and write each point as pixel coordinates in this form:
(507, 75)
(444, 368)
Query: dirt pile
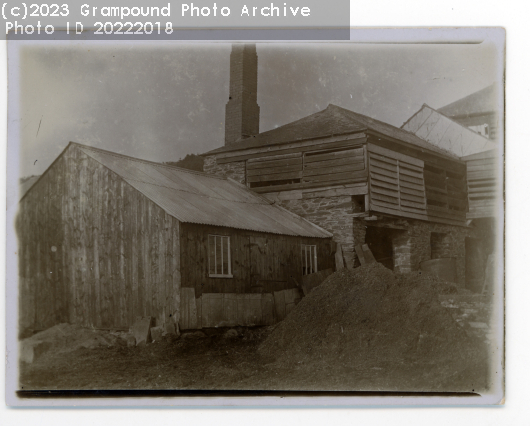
(371, 315)
(66, 338)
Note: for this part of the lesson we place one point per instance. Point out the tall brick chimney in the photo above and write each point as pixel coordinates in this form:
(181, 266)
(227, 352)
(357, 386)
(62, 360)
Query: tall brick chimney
(242, 109)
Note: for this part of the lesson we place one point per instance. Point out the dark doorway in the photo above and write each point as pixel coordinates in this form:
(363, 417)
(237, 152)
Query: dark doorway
(379, 241)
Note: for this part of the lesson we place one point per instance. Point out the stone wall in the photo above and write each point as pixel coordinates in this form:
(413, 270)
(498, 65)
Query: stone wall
(235, 170)
(413, 245)
(334, 214)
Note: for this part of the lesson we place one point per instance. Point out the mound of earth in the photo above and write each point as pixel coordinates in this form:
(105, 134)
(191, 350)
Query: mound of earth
(371, 315)
(65, 338)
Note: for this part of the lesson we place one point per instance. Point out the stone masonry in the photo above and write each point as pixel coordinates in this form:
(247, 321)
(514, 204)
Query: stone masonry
(334, 214)
(413, 244)
(235, 170)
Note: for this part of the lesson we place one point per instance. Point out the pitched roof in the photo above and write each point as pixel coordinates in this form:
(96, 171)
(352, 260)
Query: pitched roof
(331, 121)
(434, 127)
(482, 101)
(195, 197)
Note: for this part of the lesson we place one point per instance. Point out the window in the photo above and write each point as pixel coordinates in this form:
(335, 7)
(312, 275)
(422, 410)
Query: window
(219, 256)
(309, 259)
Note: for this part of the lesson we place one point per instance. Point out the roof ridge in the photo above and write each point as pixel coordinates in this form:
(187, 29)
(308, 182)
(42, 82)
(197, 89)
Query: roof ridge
(115, 154)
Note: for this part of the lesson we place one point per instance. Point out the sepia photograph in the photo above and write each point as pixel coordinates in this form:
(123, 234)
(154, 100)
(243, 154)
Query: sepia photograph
(256, 216)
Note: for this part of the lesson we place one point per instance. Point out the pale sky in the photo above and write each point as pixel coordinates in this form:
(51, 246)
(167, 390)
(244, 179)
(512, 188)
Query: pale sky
(161, 101)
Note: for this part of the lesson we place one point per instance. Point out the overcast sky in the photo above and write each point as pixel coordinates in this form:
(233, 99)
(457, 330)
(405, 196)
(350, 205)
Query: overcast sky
(163, 101)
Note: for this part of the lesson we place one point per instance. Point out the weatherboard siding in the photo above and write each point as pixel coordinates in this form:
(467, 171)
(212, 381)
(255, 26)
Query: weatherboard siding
(260, 262)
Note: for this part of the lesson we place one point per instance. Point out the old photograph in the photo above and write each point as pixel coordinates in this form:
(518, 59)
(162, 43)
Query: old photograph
(253, 216)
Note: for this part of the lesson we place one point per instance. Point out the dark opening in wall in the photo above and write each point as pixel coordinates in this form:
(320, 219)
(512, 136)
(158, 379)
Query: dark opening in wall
(439, 245)
(358, 203)
(381, 241)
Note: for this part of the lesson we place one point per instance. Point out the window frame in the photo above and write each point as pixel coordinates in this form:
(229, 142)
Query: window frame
(229, 272)
(314, 258)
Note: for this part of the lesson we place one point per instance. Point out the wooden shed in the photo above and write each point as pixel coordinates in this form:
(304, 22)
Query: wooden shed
(104, 238)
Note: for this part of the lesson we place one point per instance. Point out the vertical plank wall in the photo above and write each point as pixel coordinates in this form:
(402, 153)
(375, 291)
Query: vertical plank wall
(272, 262)
(93, 250)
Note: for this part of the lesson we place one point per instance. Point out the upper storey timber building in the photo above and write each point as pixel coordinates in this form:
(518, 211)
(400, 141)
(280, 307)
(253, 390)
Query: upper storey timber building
(361, 179)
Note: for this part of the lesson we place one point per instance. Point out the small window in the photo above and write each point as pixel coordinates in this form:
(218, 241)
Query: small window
(219, 256)
(309, 259)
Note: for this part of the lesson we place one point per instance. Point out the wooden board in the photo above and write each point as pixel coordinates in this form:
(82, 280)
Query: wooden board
(279, 305)
(368, 256)
(267, 309)
(188, 309)
(295, 147)
(360, 254)
(339, 259)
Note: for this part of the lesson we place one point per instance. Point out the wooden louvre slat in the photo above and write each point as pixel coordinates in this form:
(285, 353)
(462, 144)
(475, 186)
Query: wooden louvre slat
(274, 163)
(334, 162)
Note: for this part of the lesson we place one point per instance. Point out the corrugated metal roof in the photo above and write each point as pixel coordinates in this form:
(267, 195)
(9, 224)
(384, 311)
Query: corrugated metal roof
(195, 197)
(331, 121)
(442, 131)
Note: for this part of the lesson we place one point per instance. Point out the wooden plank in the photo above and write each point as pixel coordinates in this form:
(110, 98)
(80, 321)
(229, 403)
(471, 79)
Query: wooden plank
(368, 255)
(385, 204)
(355, 177)
(333, 170)
(352, 155)
(274, 157)
(339, 259)
(276, 163)
(360, 254)
(412, 204)
(393, 199)
(277, 176)
(454, 202)
(447, 219)
(410, 179)
(480, 168)
(409, 185)
(332, 177)
(403, 170)
(383, 182)
(382, 172)
(215, 309)
(279, 304)
(383, 158)
(409, 197)
(395, 155)
(421, 210)
(230, 309)
(383, 165)
(267, 309)
(379, 190)
(481, 175)
(345, 142)
(333, 163)
(436, 197)
(411, 167)
(274, 170)
(418, 193)
(254, 303)
(333, 192)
